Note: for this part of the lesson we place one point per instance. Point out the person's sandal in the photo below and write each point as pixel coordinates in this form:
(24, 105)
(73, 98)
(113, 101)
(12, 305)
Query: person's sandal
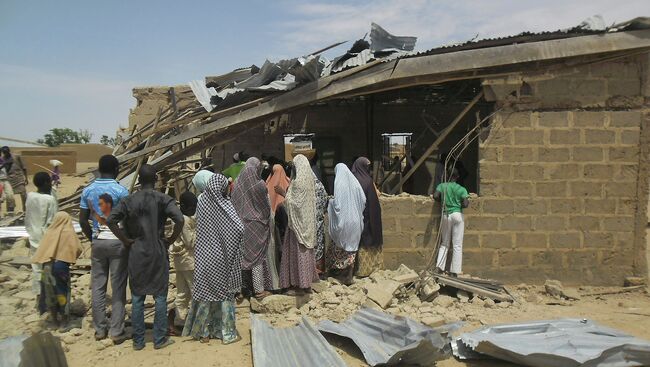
(204, 340)
(117, 340)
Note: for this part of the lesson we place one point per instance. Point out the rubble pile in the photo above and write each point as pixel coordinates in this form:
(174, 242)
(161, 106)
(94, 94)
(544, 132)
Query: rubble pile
(401, 292)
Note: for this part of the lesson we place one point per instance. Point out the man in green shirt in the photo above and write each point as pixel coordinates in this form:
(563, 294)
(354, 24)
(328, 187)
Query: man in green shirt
(454, 198)
(239, 161)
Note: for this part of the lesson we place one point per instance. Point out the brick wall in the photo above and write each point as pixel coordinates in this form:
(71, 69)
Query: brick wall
(561, 177)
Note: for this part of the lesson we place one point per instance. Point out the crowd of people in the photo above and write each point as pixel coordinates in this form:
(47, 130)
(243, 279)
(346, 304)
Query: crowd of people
(255, 230)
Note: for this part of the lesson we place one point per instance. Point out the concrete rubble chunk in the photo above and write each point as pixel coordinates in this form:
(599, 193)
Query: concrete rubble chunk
(278, 303)
(443, 301)
(405, 275)
(463, 296)
(382, 292)
(26, 295)
(554, 289)
(635, 281)
(433, 321)
(320, 287)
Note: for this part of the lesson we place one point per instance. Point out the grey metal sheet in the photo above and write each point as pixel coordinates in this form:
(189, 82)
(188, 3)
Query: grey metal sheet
(301, 345)
(555, 343)
(391, 340)
(380, 39)
(21, 231)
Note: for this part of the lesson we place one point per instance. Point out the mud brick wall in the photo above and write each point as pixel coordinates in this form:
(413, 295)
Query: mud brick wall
(563, 185)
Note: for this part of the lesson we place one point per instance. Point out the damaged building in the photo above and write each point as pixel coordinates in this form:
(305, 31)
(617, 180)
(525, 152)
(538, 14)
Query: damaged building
(551, 129)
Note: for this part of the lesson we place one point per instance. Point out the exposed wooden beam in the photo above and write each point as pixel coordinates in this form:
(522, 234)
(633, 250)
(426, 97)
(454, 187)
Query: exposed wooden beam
(437, 142)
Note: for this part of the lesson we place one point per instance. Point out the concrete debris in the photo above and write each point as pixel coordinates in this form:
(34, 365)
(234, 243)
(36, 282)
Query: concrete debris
(278, 303)
(634, 281)
(554, 289)
(382, 292)
(444, 301)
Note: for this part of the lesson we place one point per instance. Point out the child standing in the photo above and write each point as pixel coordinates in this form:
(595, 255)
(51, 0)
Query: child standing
(182, 252)
(40, 208)
(59, 248)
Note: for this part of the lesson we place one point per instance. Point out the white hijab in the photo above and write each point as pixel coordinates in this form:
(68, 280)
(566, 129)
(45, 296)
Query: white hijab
(345, 210)
(300, 202)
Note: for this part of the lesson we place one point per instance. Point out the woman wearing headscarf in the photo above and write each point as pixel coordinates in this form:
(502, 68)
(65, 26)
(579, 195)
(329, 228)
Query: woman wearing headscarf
(200, 180)
(369, 257)
(59, 247)
(345, 213)
(217, 266)
(251, 201)
(298, 265)
(277, 178)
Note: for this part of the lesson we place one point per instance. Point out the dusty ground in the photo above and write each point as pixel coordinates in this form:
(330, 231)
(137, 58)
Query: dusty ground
(629, 312)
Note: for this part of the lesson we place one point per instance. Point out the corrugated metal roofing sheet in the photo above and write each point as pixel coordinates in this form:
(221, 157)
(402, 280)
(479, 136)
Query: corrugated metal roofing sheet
(555, 343)
(301, 345)
(391, 340)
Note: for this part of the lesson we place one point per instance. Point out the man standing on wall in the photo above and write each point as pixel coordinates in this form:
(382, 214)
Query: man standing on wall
(107, 252)
(454, 198)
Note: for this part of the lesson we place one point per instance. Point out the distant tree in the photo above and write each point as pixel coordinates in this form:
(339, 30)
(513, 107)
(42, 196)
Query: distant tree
(107, 141)
(58, 136)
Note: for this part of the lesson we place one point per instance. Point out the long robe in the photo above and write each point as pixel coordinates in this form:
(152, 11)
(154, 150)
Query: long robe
(144, 214)
(218, 254)
(298, 264)
(251, 201)
(372, 235)
(346, 209)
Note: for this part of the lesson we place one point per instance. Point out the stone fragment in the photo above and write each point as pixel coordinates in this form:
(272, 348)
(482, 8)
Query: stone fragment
(534, 298)
(433, 321)
(26, 295)
(78, 307)
(320, 286)
(382, 292)
(553, 288)
(489, 303)
(405, 275)
(428, 289)
(443, 301)
(371, 304)
(462, 296)
(634, 281)
(32, 318)
(278, 303)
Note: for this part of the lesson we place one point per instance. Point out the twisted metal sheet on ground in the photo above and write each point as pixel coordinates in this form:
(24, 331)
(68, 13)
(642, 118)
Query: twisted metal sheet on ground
(301, 345)
(561, 343)
(389, 340)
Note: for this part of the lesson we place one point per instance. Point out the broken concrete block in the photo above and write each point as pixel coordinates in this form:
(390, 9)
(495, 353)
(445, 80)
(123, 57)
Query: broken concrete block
(433, 321)
(429, 289)
(405, 275)
(320, 286)
(32, 318)
(634, 281)
(371, 304)
(382, 292)
(553, 288)
(443, 301)
(463, 296)
(26, 295)
(278, 303)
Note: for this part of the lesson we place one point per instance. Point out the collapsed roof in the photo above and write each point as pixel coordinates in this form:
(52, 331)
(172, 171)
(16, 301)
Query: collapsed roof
(227, 106)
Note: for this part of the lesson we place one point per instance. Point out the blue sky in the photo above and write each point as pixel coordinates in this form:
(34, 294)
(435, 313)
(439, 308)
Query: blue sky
(73, 63)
